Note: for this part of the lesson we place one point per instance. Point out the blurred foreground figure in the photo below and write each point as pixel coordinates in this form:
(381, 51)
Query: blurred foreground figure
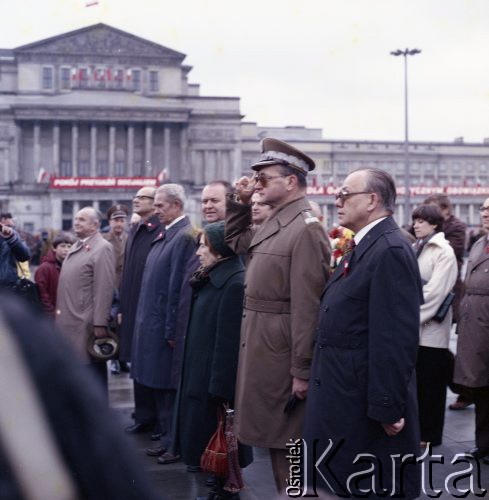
(58, 440)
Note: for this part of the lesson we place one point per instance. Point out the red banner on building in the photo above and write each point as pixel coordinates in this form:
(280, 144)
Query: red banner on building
(102, 182)
(330, 190)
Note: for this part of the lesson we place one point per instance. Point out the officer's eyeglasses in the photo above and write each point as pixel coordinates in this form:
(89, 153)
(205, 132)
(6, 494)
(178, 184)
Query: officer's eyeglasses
(343, 195)
(264, 178)
(143, 197)
(483, 207)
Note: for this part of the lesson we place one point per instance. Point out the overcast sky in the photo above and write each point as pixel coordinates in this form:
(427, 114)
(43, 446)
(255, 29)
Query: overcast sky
(318, 63)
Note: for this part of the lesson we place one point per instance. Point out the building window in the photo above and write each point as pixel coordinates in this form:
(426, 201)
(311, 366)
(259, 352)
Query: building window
(153, 81)
(83, 78)
(102, 170)
(64, 78)
(119, 168)
(65, 169)
(84, 169)
(99, 76)
(118, 79)
(47, 78)
(136, 79)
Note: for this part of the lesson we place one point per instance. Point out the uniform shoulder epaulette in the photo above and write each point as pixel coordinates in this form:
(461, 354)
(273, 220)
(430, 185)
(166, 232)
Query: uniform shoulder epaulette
(308, 217)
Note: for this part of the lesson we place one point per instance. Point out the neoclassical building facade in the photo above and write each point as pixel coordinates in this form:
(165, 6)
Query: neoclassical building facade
(89, 116)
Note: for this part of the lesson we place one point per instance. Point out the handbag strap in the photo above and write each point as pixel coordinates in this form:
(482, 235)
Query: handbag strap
(40, 473)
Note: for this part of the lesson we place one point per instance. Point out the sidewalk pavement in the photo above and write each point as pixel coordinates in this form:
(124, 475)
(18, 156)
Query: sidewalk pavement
(177, 484)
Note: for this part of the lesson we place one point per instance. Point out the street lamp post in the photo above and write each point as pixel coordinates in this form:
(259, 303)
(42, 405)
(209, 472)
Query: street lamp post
(407, 179)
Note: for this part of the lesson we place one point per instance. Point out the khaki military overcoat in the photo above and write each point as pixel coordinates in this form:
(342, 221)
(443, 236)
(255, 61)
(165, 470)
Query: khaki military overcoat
(85, 291)
(288, 266)
(472, 360)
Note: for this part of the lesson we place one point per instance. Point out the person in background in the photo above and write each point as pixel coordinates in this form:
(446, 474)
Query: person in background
(23, 268)
(86, 289)
(434, 366)
(155, 327)
(214, 200)
(138, 245)
(211, 348)
(12, 250)
(47, 274)
(117, 237)
(472, 359)
(260, 211)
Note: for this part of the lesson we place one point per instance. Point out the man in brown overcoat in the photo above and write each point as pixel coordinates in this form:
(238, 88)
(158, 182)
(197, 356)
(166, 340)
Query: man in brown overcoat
(86, 288)
(288, 266)
(472, 360)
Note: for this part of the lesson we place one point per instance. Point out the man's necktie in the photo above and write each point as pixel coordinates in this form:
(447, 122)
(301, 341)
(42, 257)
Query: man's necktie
(348, 255)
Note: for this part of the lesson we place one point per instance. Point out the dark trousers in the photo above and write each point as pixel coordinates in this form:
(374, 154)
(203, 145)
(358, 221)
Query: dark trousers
(481, 399)
(99, 370)
(433, 369)
(165, 403)
(144, 404)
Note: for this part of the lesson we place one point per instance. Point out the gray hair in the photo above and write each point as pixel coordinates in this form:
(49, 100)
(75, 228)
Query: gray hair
(173, 192)
(382, 184)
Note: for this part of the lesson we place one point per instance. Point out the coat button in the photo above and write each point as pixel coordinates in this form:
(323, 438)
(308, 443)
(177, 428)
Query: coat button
(244, 315)
(321, 346)
(326, 308)
(317, 381)
(243, 344)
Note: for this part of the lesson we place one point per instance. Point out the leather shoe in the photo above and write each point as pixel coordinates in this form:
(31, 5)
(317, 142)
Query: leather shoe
(478, 453)
(460, 404)
(193, 468)
(138, 428)
(156, 436)
(155, 452)
(168, 458)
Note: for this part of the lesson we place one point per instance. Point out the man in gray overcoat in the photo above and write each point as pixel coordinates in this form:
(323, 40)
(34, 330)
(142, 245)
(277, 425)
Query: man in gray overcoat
(288, 266)
(86, 288)
(472, 360)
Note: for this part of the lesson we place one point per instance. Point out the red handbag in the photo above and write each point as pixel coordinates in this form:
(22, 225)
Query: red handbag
(215, 456)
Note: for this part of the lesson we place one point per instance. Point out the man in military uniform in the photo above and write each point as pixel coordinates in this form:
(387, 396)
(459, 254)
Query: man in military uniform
(288, 266)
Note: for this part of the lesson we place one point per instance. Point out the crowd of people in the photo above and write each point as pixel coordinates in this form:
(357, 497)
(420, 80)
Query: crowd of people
(256, 311)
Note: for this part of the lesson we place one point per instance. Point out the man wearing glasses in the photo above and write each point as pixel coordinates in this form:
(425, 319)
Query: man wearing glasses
(363, 399)
(288, 265)
(472, 360)
(137, 248)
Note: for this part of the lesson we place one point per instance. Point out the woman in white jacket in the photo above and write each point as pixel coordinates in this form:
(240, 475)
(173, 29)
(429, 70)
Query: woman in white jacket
(438, 268)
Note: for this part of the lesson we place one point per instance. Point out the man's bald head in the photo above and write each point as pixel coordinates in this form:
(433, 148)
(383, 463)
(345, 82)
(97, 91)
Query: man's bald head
(87, 222)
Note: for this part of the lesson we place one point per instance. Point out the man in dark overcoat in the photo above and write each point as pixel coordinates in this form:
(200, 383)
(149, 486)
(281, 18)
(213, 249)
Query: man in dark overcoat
(137, 248)
(472, 360)
(288, 265)
(362, 395)
(155, 329)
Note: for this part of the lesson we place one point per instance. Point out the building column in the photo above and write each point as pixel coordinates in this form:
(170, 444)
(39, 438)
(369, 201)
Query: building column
(236, 167)
(37, 152)
(56, 212)
(130, 151)
(93, 150)
(471, 214)
(166, 151)
(111, 150)
(74, 149)
(184, 165)
(55, 166)
(148, 144)
(16, 168)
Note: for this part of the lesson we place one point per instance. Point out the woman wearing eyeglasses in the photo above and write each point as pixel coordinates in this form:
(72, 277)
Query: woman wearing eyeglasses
(438, 269)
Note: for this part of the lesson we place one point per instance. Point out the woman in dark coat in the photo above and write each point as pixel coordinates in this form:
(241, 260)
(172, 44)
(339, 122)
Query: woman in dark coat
(212, 345)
